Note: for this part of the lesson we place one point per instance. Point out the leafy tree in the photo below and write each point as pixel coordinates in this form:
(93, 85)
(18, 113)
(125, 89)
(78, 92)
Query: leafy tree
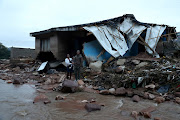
(4, 52)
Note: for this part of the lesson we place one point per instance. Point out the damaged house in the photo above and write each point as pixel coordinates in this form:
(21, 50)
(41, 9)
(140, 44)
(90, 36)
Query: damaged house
(118, 37)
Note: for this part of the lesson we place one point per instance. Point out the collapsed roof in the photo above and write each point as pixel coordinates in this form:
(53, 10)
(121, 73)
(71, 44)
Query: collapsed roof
(117, 35)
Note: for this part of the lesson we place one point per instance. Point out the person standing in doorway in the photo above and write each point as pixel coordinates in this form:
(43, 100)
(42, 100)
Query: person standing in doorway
(78, 62)
(69, 66)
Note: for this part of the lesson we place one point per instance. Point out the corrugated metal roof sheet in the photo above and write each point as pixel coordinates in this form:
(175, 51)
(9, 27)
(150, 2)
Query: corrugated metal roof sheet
(110, 22)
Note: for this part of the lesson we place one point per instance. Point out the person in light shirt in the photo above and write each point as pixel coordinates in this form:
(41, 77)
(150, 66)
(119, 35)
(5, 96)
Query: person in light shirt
(69, 66)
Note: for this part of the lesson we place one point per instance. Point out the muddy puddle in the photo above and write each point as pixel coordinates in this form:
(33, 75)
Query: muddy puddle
(17, 104)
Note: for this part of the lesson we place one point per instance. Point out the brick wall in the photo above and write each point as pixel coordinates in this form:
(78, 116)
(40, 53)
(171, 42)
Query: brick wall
(22, 53)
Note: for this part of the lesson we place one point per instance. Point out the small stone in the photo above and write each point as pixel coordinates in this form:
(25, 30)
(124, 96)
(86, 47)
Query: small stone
(129, 93)
(147, 115)
(177, 94)
(8, 81)
(47, 101)
(142, 64)
(119, 69)
(156, 118)
(80, 82)
(16, 82)
(146, 95)
(92, 107)
(121, 61)
(59, 97)
(120, 91)
(151, 96)
(104, 92)
(134, 114)
(150, 86)
(136, 98)
(112, 91)
(96, 66)
(41, 98)
(159, 99)
(136, 62)
(177, 100)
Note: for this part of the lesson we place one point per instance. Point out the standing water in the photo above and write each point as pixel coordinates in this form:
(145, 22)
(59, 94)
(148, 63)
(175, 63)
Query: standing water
(16, 103)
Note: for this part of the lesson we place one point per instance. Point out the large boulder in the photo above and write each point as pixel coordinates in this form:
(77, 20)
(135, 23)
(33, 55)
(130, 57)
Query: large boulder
(92, 107)
(96, 66)
(69, 86)
(120, 91)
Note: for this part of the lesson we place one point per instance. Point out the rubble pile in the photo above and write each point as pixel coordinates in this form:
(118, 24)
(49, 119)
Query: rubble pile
(154, 79)
(27, 72)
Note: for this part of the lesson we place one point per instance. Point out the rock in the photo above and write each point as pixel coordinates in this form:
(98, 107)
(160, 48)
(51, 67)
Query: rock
(146, 95)
(47, 101)
(120, 69)
(92, 107)
(177, 94)
(41, 98)
(147, 110)
(135, 114)
(69, 86)
(121, 61)
(81, 88)
(60, 97)
(8, 81)
(92, 100)
(139, 93)
(159, 99)
(96, 66)
(150, 86)
(85, 101)
(129, 93)
(104, 92)
(16, 82)
(177, 100)
(151, 96)
(120, 91)
(136, 98)
(136, 62)
(156, 118)
(112, 91)
(170, 96)
(80, 82)
(147, 115)
(142, 64)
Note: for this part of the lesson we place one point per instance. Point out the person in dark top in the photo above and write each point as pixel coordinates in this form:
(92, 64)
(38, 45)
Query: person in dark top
(77, 62)
(69, 66)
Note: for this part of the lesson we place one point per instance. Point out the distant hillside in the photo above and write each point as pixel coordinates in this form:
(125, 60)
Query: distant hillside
(4, 52)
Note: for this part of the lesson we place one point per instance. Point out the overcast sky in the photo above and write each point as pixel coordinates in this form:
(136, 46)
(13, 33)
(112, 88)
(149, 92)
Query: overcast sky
(20, 17)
